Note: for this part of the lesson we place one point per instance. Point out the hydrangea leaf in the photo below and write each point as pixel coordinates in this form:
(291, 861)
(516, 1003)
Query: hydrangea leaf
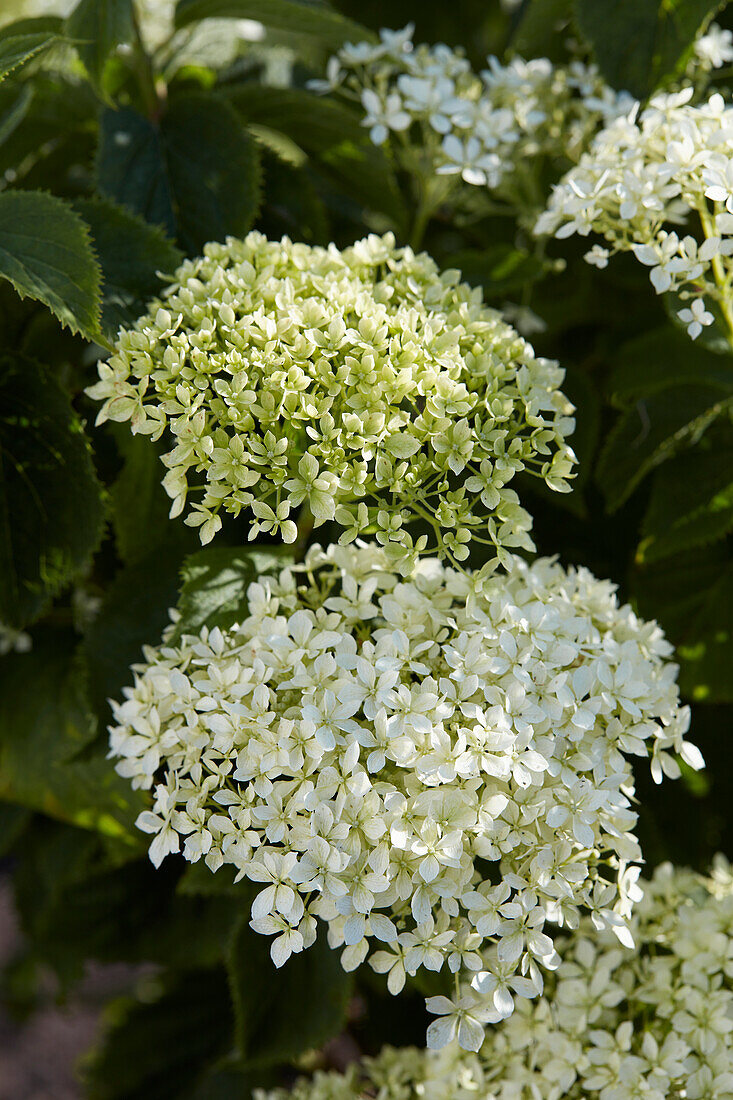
(51, 511)
(214, 169)
(500, 269)
(638, 45)
(130, 274)
(660, 360)
(215, 582)
(24, 40)
(196, 173)
(282, 1013)
(81, 897)
(691, 504)
(139, 504)
(133, 613)
(314, 18)
(97, 27)
(691, 593)
(650, 431)
(159, 1047)
(46, 253)
(45, 717)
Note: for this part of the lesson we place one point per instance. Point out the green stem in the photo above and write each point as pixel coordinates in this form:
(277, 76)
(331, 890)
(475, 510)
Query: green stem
(721, 281)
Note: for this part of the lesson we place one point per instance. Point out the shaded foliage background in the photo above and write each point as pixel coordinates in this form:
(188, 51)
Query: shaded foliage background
(113, 165)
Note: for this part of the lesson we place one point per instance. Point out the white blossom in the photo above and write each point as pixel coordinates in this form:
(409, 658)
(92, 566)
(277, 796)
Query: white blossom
(359, 741)
(652, 1021)
(669, 165)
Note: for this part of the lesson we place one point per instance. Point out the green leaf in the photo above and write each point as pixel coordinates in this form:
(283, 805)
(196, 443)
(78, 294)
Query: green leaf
(81, 899)
(328, 132)
(14, 106)
(536, 22)
(51, 511)
(130, 274)
(45, 726)
(158, 1048)
(639, 45)
(299, 17)
(133, 614)
(500, 269)
(140, 504)
(215, 582)
(131, 167)
(314, 122)
(197, 174)
(661, 359)
(691, 504)
(97, 27)
(691, 594)
(649, 432)
(24, 40)
(282, 1013)
(45, 252)
(214, 169)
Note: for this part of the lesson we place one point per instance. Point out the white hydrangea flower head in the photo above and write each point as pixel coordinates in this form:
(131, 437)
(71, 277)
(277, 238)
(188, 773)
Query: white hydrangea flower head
(658, 183)
(466, 126)
(653, 1021)
(365, 745)
(365, 384)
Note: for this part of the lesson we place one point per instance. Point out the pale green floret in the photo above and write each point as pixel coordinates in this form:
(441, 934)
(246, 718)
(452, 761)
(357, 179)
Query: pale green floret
(365, 384)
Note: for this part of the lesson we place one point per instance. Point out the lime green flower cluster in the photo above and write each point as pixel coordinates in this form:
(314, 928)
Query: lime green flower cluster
(363, 384)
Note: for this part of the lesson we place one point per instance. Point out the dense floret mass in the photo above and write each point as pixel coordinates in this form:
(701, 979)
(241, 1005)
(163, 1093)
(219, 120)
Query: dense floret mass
(443, 118)
(645, 176)
(613, 1024)
(362, 745)
(365, 384)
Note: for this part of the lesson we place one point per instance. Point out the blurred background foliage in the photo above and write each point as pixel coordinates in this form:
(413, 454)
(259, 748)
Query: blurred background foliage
(126, 142)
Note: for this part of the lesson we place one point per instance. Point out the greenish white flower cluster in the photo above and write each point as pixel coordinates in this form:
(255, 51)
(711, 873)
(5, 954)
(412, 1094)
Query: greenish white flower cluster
(365, 384)
(362, 745)
(654, 1021)
(447, 123)
(659, 183)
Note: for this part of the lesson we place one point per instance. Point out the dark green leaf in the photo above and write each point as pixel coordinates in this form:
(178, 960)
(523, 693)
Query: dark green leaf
(129, 273)
(45, 252)
(140, 505)
(691, 594)
(197, 174)
(131, 167)
(314, 122)
(500, 270)
(45, 724)
(14, 105)
(691, 504)
(22, 41)
(300, 17)
(328, 132)
(536, 22)
(664, 358)
(97, 26)
(638, 45)
(214, 169)
(80, 900)
(649, 432)
(50, 506)
(158, 1048)
(133, 614)
(281, 1013)
(215, 582)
